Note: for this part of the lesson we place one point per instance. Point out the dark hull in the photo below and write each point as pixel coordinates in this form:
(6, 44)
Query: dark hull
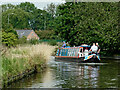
(94, 59)
(69, 59)
(80, 60)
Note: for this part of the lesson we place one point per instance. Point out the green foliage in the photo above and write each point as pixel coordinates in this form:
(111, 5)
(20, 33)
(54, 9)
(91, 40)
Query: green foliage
(80, 23)
(33, 41)
(41, 20)
(26, 15)
(9, 37)
(22, 40)
(5, 7)
(76, 22)
(52, 42)
(46, 34)
(51, 9)
(27, 6)
(18, 18)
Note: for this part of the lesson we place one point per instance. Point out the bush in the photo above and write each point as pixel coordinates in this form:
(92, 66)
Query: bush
(33, 41)
(22, 40)
(52, 42)
(9, 36)
(46, 34)
(9, 39)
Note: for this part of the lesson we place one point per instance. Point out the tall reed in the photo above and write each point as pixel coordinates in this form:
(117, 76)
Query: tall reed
(17, 60)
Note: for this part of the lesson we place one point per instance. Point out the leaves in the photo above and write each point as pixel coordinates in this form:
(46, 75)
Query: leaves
(9, 39)
(89, 22)
(18, 18)
(27, 16)
(77, 23)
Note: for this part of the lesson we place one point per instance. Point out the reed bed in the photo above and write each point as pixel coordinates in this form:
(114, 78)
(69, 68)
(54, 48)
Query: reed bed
(22, 58)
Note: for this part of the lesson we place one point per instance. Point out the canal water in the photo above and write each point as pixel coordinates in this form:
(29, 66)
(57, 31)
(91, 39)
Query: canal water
(61, 74)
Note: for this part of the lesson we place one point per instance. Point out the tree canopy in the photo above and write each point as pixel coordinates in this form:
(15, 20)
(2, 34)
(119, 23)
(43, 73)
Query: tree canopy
(74, 22)
(18, 18)
(80, 23)
(27, 16)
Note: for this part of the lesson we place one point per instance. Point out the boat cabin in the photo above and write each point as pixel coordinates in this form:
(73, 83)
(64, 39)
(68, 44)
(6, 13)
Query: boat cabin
(73, 52)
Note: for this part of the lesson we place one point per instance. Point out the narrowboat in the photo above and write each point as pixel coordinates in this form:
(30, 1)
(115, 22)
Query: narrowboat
(77, 54)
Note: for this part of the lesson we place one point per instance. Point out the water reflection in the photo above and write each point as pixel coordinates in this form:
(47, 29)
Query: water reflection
(73, 75)
(46, 81)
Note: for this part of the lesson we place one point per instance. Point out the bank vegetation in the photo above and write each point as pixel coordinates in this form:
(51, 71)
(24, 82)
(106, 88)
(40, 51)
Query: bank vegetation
(22, 59)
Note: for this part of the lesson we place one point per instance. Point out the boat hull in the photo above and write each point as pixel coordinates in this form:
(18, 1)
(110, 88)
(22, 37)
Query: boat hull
(69, 59)
(94, 59)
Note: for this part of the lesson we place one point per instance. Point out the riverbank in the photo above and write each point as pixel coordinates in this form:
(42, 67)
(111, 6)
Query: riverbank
(23, 60)
(61, 74)
(111, 58)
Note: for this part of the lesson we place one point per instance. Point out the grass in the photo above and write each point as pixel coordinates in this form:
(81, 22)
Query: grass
(22, 58)
(0, 72)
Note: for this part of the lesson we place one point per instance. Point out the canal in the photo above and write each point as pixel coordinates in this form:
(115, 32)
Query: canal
(61, 74)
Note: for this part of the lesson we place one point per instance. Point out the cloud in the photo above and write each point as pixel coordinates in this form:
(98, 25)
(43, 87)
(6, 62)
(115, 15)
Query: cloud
(32, 0)
(40, 4)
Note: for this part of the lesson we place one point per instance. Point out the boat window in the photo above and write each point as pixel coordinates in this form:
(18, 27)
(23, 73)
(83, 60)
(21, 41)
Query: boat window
(80, 49)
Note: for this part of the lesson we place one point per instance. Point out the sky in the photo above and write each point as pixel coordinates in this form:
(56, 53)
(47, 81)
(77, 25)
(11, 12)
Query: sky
(40, 4)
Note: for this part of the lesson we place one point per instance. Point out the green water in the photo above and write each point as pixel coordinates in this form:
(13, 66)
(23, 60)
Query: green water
(73, 75)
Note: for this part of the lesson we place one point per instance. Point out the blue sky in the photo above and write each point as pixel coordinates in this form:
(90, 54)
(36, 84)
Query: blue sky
(38, 3)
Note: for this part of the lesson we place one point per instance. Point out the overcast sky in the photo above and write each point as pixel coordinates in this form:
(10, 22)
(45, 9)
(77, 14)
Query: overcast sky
(43, 3)
(38, 3)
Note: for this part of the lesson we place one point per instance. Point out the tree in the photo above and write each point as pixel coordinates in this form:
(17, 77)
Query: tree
(26, 15)
(27, 6)
(18, 18)
(5, 7)
(89, 22)
(51, 9)
(46, 34)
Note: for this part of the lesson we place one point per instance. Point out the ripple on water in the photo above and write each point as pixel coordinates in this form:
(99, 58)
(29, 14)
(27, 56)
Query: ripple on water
(75, 75)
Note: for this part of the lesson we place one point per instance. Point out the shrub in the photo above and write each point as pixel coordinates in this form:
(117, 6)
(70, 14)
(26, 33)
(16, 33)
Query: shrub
(9, 36)
(52, 42)
(33, 41)
(22, 40)
(9, 39)
(46, 34)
